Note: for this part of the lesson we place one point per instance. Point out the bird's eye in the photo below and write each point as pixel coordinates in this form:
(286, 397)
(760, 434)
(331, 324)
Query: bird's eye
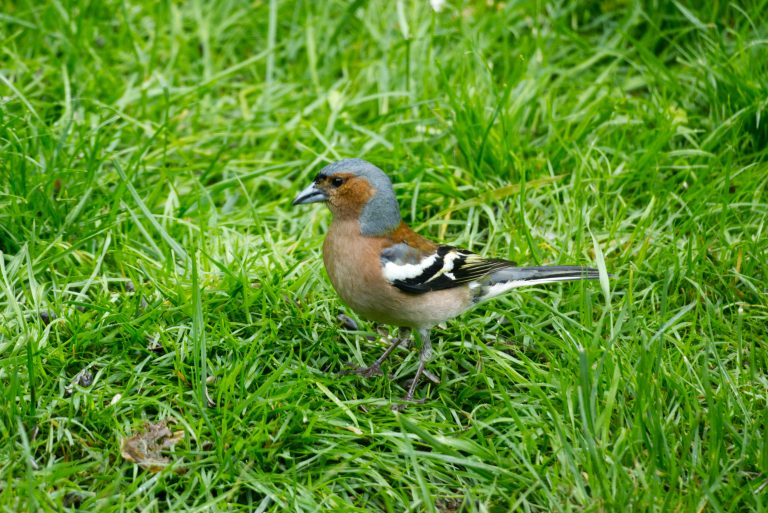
(337, 182)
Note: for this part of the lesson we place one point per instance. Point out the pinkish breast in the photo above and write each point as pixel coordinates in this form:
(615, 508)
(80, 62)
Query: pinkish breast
(354, 268)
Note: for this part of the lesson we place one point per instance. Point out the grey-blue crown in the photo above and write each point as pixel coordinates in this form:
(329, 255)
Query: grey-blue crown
(382, 213)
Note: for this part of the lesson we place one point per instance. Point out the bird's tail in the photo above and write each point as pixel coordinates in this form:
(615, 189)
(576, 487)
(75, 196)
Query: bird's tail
(507, 278)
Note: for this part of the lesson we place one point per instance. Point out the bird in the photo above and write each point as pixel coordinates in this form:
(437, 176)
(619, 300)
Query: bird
(389, 274)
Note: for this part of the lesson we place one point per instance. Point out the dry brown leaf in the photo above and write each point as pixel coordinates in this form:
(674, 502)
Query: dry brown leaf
(145, 448)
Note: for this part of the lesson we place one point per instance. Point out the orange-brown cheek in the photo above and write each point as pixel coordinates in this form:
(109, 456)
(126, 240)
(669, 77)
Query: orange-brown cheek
(349, 200)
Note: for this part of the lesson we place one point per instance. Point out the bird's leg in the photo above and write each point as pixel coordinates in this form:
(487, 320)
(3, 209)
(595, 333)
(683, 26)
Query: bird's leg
(375, 368)
(424, 356)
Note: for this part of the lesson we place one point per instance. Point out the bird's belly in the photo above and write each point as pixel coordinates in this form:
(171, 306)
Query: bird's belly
(366, 291)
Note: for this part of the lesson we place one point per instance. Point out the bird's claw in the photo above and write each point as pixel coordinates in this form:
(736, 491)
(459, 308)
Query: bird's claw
(366, 372)
(434, 379)
(406, 401)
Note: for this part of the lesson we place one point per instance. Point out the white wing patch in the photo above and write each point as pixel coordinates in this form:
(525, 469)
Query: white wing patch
(394, 272)
(447, 266)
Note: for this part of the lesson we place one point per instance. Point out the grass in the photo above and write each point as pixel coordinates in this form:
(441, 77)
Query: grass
(148, 155)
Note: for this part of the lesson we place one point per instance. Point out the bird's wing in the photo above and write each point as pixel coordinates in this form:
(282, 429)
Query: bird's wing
(414, 270)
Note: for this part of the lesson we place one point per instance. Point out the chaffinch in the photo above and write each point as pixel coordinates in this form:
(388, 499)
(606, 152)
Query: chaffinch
(388, 273)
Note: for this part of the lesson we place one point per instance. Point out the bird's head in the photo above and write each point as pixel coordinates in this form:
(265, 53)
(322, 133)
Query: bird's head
(355, 189)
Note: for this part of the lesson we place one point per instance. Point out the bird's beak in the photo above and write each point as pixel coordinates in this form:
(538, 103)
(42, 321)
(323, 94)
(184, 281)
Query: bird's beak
(311, 194)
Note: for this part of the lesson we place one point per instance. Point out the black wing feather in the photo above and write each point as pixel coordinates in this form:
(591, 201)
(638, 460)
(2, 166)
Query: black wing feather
(453, 267)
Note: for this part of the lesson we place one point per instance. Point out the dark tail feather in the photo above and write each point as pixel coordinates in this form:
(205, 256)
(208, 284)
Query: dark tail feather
(547, 274)
(509, 278)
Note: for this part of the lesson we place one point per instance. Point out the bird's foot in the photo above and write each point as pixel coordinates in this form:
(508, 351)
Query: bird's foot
(366, 372)
(434, 379)
(408, 399)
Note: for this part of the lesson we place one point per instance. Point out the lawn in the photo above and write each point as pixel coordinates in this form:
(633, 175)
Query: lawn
(155, 277)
